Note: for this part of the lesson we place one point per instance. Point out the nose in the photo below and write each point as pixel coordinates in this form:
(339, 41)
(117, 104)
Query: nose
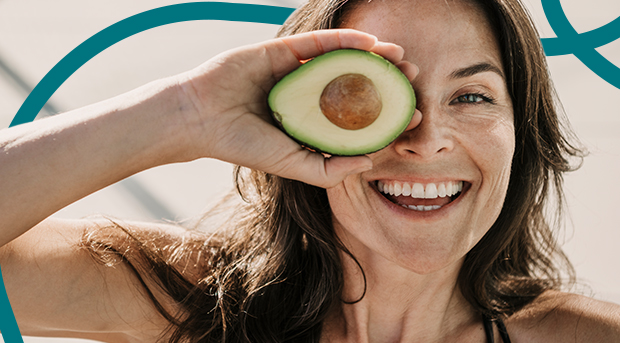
(426, 140)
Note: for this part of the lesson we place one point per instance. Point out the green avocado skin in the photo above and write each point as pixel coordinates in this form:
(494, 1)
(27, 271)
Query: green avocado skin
(294, 103)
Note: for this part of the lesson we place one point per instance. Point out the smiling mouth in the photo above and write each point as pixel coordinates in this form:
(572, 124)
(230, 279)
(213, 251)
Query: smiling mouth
(421, 197)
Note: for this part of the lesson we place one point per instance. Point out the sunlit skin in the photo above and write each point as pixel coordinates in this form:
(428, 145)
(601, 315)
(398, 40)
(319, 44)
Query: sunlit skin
(466, 133)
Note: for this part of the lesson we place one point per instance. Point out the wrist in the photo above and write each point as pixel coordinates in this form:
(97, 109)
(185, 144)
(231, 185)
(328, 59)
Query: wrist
(167, 120)
(187, 121)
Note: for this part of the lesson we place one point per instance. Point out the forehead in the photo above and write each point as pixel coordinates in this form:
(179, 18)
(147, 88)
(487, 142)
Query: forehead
(456, 32)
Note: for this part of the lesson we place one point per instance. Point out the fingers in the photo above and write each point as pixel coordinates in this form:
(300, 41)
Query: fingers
(311, 44)
(287, 52)
(323, 172)
(392, 52)
(409, 69)
(337, 168)
(415, 120)
(253, 143)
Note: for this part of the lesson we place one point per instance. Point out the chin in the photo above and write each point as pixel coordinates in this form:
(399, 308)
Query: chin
(429, 259)
(420, 255)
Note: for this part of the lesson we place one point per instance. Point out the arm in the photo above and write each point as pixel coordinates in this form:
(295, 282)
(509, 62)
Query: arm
(48, 164)
(57, 289)
(217, 110)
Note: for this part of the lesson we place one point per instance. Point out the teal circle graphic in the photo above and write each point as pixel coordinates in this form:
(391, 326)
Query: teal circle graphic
(103, 40)
(8, 325)
(582, 45)
(136, 24)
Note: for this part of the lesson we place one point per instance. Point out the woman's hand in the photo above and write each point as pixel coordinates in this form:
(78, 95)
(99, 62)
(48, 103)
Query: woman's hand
(229, 118)
(217, 110)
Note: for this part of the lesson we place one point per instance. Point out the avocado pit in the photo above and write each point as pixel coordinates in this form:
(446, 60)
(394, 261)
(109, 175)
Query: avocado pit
(351, 101)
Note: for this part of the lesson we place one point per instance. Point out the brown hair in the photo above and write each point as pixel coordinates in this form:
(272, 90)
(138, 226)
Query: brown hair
(274, 273)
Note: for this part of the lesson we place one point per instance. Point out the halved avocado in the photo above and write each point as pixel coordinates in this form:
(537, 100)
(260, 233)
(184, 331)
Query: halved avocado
(345, 102)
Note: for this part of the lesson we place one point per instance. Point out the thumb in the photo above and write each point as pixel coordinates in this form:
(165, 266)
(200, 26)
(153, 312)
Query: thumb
(337, 168)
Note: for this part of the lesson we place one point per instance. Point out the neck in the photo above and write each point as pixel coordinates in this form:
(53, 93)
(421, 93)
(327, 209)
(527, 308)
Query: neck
(399, 305)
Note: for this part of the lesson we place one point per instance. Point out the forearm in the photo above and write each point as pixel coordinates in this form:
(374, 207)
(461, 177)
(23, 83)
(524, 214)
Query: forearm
(51, 163)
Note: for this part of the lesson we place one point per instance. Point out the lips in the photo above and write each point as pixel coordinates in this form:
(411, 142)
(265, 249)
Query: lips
(418, 196)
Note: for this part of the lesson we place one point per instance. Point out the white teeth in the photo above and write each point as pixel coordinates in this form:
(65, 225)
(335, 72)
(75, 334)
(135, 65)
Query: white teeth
(417, 190)
(453, 188)
(406, 189)
(398, 190)
(422, 207)
(431, 191)
(457, 187)
(441, 190)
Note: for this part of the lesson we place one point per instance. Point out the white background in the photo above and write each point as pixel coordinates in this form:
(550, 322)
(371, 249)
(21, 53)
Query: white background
(35, 35)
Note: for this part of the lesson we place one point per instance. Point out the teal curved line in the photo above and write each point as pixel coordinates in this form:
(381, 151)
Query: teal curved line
(595, 38)
(136, 24)
(103, 40)
(8, 325)
(584, 52)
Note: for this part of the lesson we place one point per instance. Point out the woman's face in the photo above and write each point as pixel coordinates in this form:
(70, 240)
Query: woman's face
(466, 136)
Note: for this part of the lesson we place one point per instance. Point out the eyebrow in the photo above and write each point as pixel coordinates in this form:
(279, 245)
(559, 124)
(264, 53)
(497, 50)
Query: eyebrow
(475, 69)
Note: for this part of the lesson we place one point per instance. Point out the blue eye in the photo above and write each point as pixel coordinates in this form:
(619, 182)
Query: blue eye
(473, 98)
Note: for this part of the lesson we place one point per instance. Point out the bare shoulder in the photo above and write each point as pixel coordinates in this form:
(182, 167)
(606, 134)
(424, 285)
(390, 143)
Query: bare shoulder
(58, 288)
(565, 317)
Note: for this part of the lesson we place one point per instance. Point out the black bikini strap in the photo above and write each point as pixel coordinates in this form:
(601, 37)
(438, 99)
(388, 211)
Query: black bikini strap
(503, 333)
(488, 329)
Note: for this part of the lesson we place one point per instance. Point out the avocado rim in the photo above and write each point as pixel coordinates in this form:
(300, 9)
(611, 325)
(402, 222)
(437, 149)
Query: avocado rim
(343, 57)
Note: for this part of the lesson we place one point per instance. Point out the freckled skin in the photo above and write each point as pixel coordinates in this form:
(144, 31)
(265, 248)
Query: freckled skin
(351, 102)
(412, 260)
(457, 139)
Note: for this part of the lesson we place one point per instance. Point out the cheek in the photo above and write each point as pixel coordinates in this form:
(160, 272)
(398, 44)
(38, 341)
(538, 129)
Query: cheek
(493, 148)
(496, 151)
(489, 138)
(499, 147)
(336, 197)
(356, 221)
(348, 201)
(341, 202)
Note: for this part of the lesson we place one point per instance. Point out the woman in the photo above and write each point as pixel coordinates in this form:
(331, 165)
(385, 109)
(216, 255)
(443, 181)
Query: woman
(339, 261)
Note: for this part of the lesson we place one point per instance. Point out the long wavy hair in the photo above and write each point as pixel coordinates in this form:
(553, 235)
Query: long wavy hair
(273, 273)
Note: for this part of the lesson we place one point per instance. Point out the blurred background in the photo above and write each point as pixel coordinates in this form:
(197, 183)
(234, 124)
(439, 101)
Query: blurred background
(36, 34)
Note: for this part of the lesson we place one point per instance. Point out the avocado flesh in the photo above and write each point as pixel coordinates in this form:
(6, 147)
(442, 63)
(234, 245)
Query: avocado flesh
(295, 103)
